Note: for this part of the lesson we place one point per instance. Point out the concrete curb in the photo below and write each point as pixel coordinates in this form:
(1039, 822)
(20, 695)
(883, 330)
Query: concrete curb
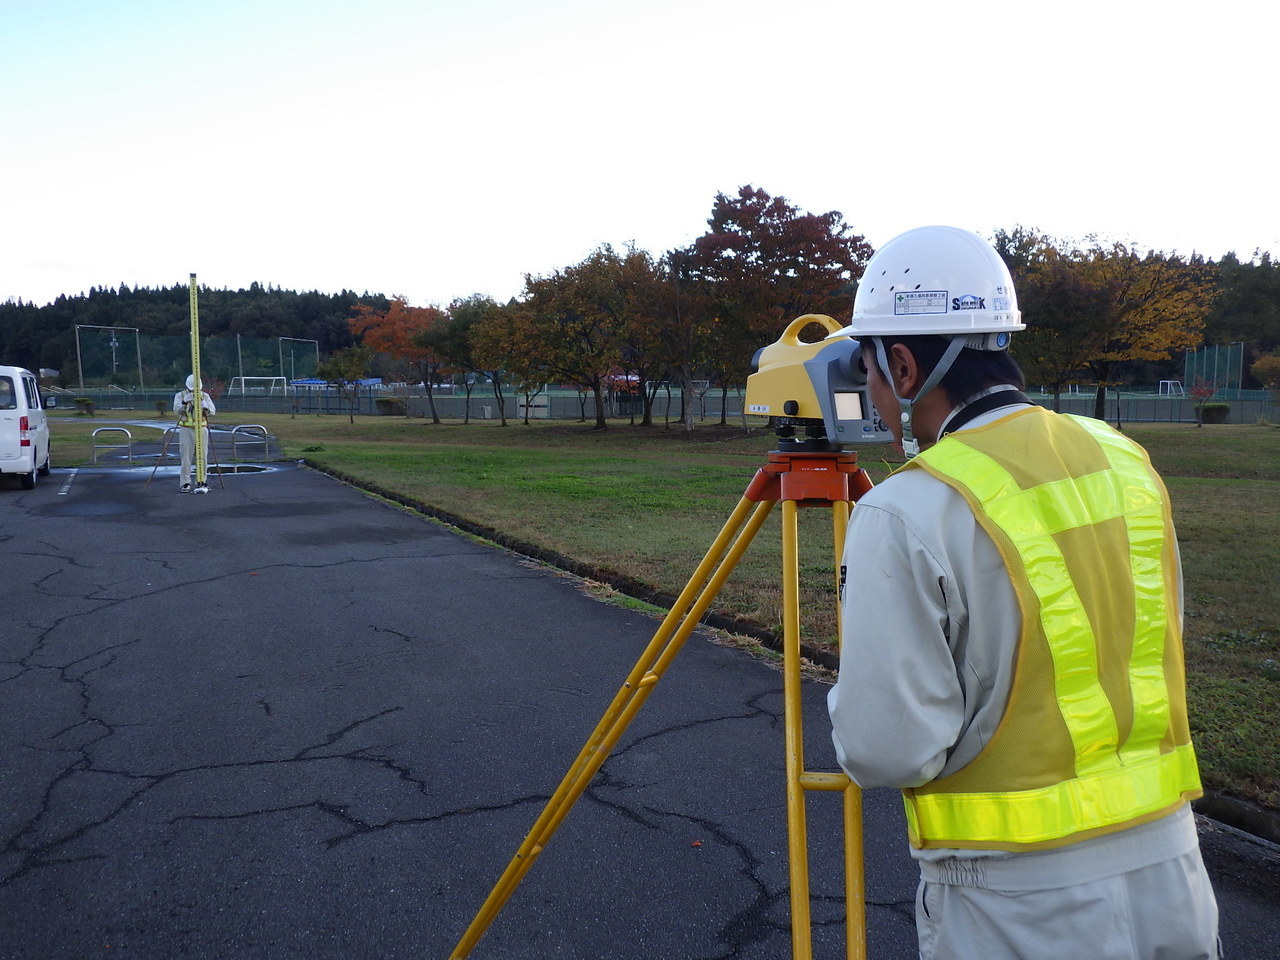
(1241, 814)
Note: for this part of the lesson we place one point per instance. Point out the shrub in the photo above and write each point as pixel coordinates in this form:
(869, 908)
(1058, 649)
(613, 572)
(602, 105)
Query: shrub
(1214, 412)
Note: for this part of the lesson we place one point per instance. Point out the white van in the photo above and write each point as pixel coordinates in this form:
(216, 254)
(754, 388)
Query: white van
(24, 429)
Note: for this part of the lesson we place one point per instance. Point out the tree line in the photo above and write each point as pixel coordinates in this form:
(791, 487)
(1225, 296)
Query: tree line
(1098, 313)
(44, 336)
(627, 320)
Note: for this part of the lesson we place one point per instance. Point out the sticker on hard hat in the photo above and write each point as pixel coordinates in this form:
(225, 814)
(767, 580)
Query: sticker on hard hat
(968, 302)
(911, 302)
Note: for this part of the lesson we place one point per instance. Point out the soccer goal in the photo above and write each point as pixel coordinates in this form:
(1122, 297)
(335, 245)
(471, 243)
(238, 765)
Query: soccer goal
(260, 386)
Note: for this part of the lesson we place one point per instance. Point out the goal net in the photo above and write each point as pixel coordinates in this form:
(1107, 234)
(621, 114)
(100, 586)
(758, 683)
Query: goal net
(261, 386)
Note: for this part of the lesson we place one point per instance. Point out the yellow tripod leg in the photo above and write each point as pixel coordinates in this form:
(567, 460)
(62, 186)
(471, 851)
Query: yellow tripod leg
(688, 610)
(798, 779)
(793, 736)
(164, 450)
(854, 885)
(854, 861)
(679, 623)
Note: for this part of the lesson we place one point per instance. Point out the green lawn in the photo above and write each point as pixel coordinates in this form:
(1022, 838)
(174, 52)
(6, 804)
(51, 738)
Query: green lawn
(641, 506)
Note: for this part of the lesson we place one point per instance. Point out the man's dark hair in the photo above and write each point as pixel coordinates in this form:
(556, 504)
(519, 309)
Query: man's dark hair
(973, 370)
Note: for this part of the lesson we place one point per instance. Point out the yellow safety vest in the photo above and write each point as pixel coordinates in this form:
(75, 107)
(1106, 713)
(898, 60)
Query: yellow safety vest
(1095, 737)
(187, 417)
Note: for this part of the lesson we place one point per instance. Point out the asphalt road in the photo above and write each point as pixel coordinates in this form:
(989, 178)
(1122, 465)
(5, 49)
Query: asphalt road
(288, 720)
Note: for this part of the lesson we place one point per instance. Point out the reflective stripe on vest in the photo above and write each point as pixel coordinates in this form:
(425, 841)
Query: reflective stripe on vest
(187, 416)
(1110, 781)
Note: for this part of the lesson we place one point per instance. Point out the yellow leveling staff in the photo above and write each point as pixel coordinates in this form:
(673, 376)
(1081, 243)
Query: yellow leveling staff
(197, 413)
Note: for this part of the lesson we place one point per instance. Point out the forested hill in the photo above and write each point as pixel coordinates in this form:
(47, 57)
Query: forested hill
(35, 337)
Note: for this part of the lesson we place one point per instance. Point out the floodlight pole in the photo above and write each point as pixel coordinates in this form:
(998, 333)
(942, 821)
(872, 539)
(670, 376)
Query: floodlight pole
(289, 376)
(137, 346)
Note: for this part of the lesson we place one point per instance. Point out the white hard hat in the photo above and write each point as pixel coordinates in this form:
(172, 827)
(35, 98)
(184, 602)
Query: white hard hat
(937, 280)
(191, 381)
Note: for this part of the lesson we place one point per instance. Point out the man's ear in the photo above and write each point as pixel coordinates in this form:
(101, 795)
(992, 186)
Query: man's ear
(904, 370)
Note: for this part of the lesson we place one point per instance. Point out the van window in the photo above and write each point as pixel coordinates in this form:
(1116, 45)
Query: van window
(8, 396)
(33, 393)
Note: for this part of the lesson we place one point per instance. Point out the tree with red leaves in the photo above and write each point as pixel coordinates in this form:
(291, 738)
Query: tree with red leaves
(765, 262)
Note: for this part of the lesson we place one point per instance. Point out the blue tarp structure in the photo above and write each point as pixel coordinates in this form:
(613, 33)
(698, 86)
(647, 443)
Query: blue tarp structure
(315, 382)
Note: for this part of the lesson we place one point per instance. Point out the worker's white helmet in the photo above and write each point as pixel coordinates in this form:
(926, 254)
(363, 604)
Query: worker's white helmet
(191, 381)
(937, 280)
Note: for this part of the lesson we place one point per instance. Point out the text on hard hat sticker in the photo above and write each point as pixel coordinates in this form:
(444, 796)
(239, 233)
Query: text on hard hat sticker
(911, 302)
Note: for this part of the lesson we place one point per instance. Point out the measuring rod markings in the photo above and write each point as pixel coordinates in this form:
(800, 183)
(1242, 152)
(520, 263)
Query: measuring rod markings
(197, 414)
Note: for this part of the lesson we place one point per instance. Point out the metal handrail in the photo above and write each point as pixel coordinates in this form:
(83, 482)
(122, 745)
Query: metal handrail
(111, 446)
(264, 439)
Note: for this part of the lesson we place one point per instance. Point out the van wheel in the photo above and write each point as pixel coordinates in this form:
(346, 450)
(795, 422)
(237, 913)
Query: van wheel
(28, 480)
(44, 470)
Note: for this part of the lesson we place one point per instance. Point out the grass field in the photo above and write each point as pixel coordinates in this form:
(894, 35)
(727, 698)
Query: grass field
(642, 506)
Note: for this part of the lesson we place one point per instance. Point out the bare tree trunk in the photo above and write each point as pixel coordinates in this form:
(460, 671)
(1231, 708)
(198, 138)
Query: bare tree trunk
(648, 393)
(501, 400)
(1100, 396)
(431, 400)
(597, 390)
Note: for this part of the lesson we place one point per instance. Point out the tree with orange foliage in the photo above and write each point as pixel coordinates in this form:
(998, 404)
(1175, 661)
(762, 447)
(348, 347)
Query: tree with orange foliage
(1060, 307)
(397, 332)
(1266, 370)
(1158, 306)
(579, 313)
(683, 328)
(454, 342)
(1090, 309)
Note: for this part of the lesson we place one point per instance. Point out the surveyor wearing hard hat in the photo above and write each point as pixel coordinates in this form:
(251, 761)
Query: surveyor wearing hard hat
(184, 405)
(1012, 655)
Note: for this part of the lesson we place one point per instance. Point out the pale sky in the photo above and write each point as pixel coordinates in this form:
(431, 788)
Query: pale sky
(440, 148)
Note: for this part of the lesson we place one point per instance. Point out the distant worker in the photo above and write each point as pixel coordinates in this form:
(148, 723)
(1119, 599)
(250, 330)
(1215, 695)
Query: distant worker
(1012, 640)
(184, 406)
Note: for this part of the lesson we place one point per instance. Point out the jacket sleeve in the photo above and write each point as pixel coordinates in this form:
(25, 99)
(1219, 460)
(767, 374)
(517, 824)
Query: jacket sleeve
(898, 706)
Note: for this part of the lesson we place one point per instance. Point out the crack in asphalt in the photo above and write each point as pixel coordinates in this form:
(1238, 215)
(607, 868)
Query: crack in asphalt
(45, 840)
(25, 852)
(754, 922)
(187, 584)
(31, 854)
